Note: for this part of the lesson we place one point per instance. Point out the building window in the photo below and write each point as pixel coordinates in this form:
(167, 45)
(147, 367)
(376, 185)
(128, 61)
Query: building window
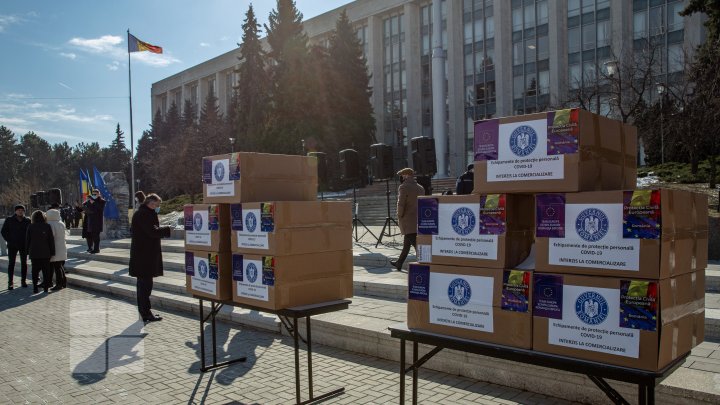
(395, 94)
(675, 20)
(361, 33)
(531, 51)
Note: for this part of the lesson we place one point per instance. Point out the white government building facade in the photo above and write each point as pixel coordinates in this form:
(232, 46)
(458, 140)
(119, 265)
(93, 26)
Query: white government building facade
(504, 57)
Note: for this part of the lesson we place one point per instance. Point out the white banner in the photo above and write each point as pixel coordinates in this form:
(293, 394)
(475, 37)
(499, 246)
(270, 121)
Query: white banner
(220, 183)
(424, 253)
(461, 301)
(252, 286)
(591, 321)
(200, 234)
(459, 235)
(522, 154)
(201, 281)
(594, 238)
(251, 237)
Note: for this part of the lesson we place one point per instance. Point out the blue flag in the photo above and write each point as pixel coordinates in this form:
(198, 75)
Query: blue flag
(111, 209)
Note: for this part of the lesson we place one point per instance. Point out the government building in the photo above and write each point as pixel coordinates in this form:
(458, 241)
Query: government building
(504, 57)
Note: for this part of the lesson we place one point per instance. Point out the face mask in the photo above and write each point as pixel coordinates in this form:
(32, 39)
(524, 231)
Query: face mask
(157, 210)
(93, 196)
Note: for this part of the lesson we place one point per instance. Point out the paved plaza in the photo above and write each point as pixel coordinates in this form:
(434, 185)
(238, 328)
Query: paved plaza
(78, 347)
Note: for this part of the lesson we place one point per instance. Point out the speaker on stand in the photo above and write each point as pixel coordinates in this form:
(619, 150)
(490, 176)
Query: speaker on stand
(54, 196)
(424, 161)
(381, 161)
(33, 201)
(350, 173)
(322, 168)
(41, 200)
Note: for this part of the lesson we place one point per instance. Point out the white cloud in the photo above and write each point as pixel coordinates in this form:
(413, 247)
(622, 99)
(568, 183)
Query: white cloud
(8, 20)
(104, 44)
(204, 44)
(19, 131)
(115, 65)
(65, 85)
(6, 121)
(225, 38)
(65, 114)
(111, 46)
(69, 55)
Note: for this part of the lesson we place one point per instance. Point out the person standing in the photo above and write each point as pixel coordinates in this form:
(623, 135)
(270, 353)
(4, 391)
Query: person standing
(57, 262)
(13, 231)
(146, 252)
(466, 182)
(41, 247)
(408, 193)
(78, 213)
(94, 213)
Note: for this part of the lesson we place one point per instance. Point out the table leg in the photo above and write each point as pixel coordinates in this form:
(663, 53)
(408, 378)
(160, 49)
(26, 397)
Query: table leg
(402, 371)
(202, 337)
(415, 372)
(214, 339)
(297, 359)
(642, 394)
(309, 355)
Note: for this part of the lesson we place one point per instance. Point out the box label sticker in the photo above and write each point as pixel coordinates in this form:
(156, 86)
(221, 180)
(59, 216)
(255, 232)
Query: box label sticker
(189, 263)
(424, 253)
(251, 236)
(198, 234)
(516, 291)
(638, 304)
(418, 282)
(563, 131)
(591, 321)
(548, 296)
(251, 285)
(207, 170)
(486, 140)
(214, 263)
(268, 275)
(594, 238)
(234, 167)
(491, 220)
(642, 216)
(237, 267)
(213, 217)
(267, 217)
(458, 234)
(188, 216)
(202, 281)
(461, 301)
(236, 217)
(550, 215)
(428, 216)
(522, 155)
(220, 184)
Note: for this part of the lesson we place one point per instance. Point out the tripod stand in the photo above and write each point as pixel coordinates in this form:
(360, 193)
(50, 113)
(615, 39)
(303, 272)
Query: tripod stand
(357, 222)
(388, 220)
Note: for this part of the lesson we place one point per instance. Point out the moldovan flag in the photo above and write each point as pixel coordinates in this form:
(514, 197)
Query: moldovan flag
(136, 45)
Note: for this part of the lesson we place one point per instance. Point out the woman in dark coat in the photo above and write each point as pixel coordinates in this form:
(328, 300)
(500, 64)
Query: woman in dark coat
(146, 252)
(40, 243)
(94, 213)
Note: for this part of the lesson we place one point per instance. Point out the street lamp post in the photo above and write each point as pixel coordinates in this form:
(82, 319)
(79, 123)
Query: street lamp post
(660, 87)
(232, 145)
(302, 141)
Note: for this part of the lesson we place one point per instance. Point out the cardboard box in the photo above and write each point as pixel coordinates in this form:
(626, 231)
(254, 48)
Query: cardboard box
(559, 151)
(290, 228)
(207, 227)
(246, 177)
(208, 274)
(651, 234)
(494, 230)
(488, 305)
(643, 324)
(277, 282)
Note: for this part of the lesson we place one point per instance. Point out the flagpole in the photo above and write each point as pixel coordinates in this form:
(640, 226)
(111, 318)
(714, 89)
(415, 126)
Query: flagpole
(132, 139)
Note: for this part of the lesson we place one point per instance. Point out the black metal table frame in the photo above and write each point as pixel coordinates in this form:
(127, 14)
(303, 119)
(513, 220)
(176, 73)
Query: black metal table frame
(289, 319)
(597, 372)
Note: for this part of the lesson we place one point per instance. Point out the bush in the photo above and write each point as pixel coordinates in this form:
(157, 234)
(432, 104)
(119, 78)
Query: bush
(675, 172)
(177, 203)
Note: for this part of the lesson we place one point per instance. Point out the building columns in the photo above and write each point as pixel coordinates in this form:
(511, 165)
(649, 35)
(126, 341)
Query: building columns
(375, 64)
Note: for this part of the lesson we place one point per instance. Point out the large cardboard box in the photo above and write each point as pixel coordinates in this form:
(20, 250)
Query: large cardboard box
(565, 150)
(643, 324)
(488, 305)
(650, 234)
(207, 227)
(493, 230)
(246, 177)
(289, 228)
(208, 274)
(277, 282)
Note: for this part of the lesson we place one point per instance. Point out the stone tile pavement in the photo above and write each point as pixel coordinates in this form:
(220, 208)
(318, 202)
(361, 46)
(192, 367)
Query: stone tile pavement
(78, 347)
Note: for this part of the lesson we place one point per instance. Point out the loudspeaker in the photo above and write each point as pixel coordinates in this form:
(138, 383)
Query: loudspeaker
(381, 161)
(33, 201)
(41, 198)
(54, 196)
(349, 165)
(423, 154)
(322, 168)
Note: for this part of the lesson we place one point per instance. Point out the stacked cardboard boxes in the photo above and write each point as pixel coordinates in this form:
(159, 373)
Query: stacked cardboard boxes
(262, 239)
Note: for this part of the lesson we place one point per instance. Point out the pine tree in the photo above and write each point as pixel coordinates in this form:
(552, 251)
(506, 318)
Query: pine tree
(9, 162)
(285, 30)
(119, 142)
(252, 96)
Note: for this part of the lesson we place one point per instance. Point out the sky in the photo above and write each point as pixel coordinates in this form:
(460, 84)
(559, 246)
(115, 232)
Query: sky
(64, 66)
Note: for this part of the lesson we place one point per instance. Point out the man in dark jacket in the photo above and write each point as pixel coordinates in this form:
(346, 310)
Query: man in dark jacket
(146, 252)
(94, 213)
(13, 231)
(466, 181)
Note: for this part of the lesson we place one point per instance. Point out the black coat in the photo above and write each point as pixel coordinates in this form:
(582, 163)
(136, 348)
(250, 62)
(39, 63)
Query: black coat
(465, 183)
(40, 241)
(14, 232)
(94, 213)
(145, 249)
